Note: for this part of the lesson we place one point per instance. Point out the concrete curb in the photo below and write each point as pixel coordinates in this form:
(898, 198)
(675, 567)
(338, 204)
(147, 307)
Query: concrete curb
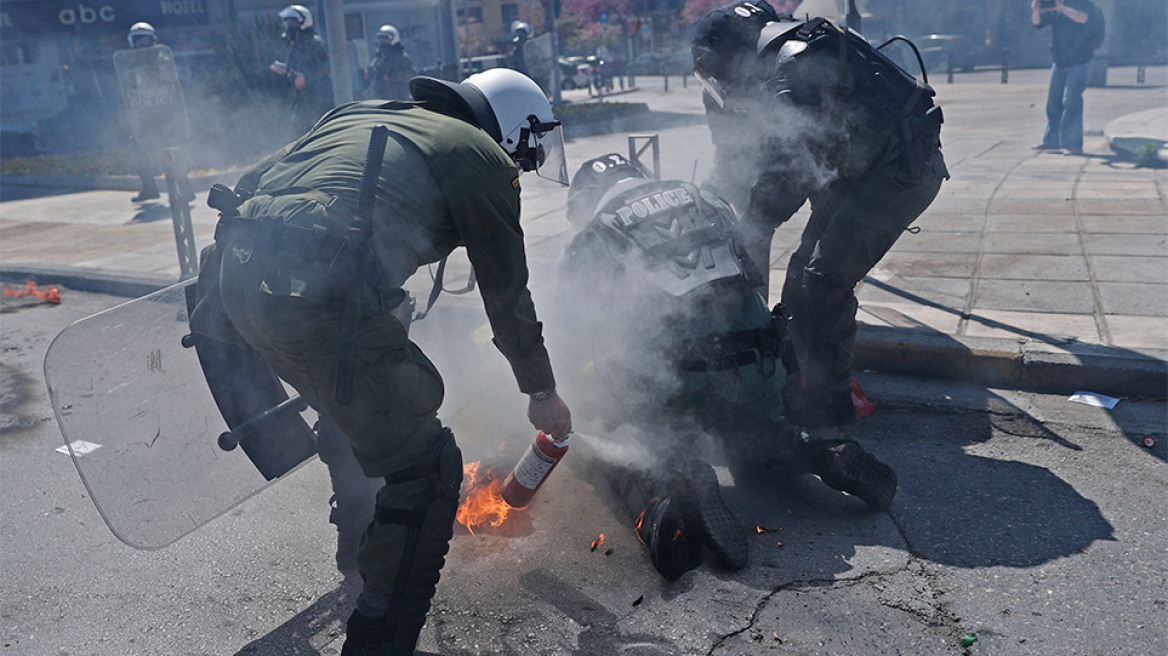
(1129, 136)
(1019, 364)
(83, 279)
(116, 182)
(994, 362)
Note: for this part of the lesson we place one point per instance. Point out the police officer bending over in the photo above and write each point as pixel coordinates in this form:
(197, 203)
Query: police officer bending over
(817, 113)
(683, 344)
(308, 272)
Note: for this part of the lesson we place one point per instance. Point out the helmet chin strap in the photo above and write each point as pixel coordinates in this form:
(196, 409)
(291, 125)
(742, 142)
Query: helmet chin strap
(527, 157)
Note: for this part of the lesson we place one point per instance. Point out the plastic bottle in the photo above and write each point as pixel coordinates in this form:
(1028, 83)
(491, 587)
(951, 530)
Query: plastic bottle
(533, 469)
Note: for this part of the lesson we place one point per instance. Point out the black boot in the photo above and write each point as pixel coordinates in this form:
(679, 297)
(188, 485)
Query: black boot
(146, 194)
(844, 465)
(718, 526)
(673, 545)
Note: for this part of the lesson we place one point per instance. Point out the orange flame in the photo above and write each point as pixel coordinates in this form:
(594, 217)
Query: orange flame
(597, 542)
(641, 519)
(50, 294)
(483, 504)
(760, 530)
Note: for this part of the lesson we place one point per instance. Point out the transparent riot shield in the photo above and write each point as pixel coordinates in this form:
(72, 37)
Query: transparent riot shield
(151, 418)
(153, 95)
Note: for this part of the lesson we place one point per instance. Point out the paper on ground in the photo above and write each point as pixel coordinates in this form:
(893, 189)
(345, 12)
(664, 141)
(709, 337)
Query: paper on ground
(1091, 398)
(80, 448)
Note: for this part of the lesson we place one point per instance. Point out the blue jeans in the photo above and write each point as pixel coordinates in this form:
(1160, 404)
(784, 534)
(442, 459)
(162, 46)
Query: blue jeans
(1064, 106)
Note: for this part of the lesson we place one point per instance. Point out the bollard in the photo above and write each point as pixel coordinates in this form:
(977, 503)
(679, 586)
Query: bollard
(949, 68)
(1140, 74)
(1005, 65)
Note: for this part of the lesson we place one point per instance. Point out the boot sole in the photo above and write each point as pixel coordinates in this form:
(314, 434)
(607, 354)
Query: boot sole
(859, 473)
(721, 528)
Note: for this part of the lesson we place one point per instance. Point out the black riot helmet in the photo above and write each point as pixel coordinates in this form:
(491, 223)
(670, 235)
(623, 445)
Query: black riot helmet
(593, 180)
(725, 43)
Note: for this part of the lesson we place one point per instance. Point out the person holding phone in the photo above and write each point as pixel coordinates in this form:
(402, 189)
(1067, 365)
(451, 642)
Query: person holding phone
(1077, 30)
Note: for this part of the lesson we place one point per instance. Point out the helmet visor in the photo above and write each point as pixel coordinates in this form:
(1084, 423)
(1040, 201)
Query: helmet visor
(541, 149)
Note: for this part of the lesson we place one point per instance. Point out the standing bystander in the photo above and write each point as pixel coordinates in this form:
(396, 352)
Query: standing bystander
(1077, 30)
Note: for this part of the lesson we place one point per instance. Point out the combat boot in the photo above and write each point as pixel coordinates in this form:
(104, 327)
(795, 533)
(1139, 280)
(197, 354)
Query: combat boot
(844, 465)
(673, 545)
(718, 527)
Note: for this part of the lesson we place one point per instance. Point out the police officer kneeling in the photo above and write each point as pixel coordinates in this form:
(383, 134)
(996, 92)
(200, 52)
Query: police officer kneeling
(308, 272)
(667, 306)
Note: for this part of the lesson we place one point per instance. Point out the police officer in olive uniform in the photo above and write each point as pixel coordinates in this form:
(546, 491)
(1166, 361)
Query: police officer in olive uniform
(831, 119)
(685, 343)
(306, 68)
(308, 268)
(389, 73)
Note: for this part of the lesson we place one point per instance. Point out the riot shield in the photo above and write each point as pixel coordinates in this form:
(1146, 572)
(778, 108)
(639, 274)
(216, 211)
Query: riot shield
(153, 96)
(149, 420)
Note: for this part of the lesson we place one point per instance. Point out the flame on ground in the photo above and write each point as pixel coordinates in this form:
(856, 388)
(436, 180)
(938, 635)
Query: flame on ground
(49, 294)
(760, 530)
(597, 542)
(641, 519)
(482, 504)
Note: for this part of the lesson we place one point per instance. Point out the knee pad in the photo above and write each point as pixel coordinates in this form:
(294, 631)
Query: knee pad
(429, 528)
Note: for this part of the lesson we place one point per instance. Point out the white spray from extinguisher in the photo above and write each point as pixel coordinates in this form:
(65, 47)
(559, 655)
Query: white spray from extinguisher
(533, 469)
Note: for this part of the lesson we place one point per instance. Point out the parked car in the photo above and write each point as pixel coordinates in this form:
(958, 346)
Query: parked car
(936, 48)
(575, 73)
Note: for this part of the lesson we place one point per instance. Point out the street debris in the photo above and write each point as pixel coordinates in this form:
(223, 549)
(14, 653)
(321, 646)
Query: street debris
(1148, 441)
(1093, 399)
(968, 639)
(760, 529)
(864, 407)
(78, 447)
(639, 600)
(597, 542)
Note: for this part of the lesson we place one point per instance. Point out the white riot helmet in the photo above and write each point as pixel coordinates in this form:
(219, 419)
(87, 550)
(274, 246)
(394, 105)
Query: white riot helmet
(141, 35)
(511, 108)
(387, 35)
(519, 27)
(295, 17)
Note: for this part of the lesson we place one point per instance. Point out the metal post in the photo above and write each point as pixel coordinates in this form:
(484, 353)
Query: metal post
(853, 16)
(334, 25)
(949, 68)
(1005, 65)
(180, 213)
(1140, 74)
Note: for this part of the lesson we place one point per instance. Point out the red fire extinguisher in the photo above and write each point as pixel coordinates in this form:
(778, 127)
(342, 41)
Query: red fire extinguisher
(533, 469)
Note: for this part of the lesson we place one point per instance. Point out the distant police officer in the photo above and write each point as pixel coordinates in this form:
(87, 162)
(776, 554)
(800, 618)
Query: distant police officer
(388, 75)
(306, 68)
(308, 269)
(815, 112)
(142, 35)
(683, 343)
(517, 59)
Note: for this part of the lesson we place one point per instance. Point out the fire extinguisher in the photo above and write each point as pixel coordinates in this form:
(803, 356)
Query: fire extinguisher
(533, 469)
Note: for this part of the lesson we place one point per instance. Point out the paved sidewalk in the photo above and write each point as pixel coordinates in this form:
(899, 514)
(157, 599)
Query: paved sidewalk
(1031, 270)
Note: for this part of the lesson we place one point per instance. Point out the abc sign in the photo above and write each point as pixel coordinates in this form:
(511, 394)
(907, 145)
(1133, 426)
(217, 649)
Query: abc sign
(86, 15)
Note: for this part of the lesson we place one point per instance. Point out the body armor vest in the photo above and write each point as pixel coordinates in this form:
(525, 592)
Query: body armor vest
(682, 239)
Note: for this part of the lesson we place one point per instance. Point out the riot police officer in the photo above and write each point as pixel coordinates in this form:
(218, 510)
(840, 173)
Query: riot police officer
(388, 75)
(683, 343)
(517, 59)
(307, 270)
(305, 67)
(142, 35)
(815, 112)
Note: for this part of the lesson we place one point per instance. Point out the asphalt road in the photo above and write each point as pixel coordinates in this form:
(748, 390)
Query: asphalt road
(1031, 521)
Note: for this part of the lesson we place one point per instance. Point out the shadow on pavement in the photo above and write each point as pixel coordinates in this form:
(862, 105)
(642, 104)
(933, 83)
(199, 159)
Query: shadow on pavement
(295, 636)
(21, 192)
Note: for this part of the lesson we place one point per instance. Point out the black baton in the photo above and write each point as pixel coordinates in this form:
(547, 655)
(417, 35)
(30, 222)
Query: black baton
(357, 246)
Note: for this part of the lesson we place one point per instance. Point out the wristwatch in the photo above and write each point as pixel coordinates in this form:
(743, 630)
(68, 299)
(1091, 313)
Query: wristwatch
(542, 396)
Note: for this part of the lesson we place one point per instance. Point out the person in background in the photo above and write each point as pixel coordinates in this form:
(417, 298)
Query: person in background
(305, 67)
(142, 35)
(517, 58)
(388, 75)
(1077, 30)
